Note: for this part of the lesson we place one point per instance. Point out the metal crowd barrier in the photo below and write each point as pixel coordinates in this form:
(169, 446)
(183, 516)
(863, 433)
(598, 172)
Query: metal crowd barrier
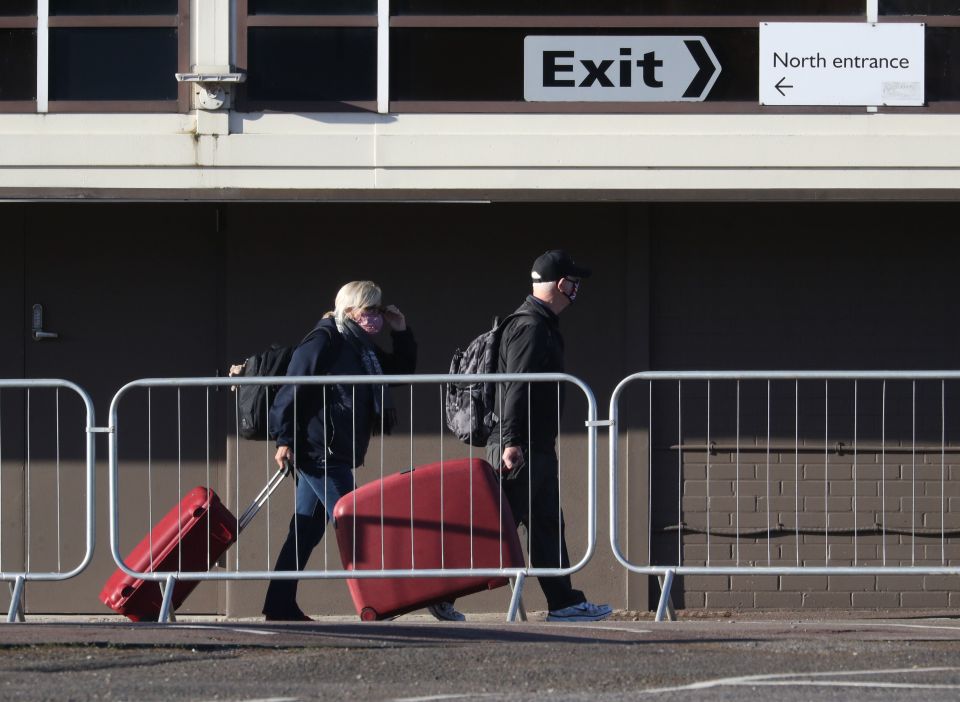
(33, 450)
(789, 473)
(169, 471)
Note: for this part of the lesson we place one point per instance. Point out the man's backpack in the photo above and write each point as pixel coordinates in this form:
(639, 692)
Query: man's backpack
(254, 401)
(470, 408)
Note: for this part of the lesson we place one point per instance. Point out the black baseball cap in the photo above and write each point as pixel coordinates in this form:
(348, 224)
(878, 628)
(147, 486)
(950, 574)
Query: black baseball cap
(556, 264)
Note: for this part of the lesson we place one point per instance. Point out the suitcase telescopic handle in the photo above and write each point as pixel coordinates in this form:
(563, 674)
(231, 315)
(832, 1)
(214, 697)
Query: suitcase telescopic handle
(261, 499)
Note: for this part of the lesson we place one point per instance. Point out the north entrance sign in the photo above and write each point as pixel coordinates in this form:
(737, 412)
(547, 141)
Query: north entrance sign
(841, 63)
(617, 69)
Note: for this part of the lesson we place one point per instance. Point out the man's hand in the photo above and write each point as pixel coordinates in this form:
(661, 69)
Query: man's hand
(283, 454)
(394, 317)
(512, 458)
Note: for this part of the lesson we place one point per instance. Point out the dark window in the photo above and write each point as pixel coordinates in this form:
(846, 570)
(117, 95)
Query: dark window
(628, 7)
(113, 64)
(18, 7)
(113, 7)
(942, 69)
(311, 64)
(487, 64)
(311, 7)
(919, 7)
(18, 64)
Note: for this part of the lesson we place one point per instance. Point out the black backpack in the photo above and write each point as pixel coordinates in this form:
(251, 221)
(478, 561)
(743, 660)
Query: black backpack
(470, 408)
(254, 401)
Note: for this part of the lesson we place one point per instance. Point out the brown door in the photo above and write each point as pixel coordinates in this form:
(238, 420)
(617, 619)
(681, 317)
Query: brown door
(126, 292)
(11, 401)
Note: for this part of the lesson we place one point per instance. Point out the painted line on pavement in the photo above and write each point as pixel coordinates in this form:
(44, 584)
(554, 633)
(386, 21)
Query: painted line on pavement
(787, 679)
(258, 632)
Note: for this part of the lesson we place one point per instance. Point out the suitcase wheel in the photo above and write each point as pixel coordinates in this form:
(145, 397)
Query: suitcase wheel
(368, 614)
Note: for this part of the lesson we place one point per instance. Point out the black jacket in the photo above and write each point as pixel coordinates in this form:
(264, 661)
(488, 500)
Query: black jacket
(334, 422)
(531, 343)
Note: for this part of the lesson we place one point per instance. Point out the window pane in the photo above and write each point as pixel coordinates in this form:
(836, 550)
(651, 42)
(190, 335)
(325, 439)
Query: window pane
(920, 7)
(312, 64)
(422, 67)
(942, 69)
(628, 7)
(113, 64)
(18, 7)
(311, 7)
(18, 64)
(113, 7)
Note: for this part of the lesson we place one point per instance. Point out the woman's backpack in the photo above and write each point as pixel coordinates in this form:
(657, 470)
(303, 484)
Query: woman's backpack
(254, 401)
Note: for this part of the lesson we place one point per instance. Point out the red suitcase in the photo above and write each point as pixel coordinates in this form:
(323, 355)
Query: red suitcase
(473, 506)
(179, 542)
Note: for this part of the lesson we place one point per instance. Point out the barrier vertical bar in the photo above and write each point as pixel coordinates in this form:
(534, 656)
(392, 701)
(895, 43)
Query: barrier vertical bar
(796, 466)
(59, 532)
(913, 476)
(1, 481)
(856, 533)
(180, 488)
(826, 471)
(206, 424)
(708, 473)
(650, 470)
(559, 486)
(736, 499)
(150, 523)
(767, 474)
(679, 473)
(29, 500)
(883, 469)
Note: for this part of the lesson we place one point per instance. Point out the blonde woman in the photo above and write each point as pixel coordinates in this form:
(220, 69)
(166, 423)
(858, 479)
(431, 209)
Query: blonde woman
(330, 433)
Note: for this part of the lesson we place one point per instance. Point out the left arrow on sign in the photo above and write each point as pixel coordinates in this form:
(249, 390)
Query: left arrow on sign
(780, 86)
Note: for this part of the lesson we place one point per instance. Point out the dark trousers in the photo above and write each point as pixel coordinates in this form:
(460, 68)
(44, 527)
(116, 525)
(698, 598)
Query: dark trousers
(317, 492)
(534, 497)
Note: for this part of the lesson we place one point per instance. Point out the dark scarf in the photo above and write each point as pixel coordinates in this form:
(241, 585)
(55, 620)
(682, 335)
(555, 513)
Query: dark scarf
(382, 400)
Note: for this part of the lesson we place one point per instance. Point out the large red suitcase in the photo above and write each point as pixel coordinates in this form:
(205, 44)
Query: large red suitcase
(191, 537)
(418, 529)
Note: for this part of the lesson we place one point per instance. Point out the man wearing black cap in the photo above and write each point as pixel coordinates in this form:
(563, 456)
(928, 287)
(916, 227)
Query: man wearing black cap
(524, 443)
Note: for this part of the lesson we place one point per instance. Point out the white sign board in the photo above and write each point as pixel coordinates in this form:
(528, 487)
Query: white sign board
(841, 63)
(617, 69)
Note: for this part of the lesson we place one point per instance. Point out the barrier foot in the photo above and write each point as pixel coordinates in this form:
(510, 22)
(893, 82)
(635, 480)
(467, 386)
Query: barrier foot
(16, 601)
(516, 600)
(166, 613)
(665, 607)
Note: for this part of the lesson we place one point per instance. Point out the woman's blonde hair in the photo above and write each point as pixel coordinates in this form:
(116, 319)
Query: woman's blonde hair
(359, 293)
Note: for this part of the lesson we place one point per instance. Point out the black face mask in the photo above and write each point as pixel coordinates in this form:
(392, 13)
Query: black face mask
(572, 295)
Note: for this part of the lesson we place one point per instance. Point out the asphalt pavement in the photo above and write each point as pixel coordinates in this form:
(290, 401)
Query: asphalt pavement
(704, 656)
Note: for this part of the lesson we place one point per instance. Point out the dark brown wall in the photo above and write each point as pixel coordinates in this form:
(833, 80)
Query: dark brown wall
(813, 287)
(147, 290)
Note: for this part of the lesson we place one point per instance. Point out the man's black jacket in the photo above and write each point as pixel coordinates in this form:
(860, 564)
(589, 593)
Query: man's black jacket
(531, 343)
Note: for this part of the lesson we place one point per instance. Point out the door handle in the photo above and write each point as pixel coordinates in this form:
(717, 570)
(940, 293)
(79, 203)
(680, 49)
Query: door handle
(38, 333)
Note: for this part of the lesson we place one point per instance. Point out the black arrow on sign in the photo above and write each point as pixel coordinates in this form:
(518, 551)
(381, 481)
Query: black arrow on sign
(779, 86)
(706, 66)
